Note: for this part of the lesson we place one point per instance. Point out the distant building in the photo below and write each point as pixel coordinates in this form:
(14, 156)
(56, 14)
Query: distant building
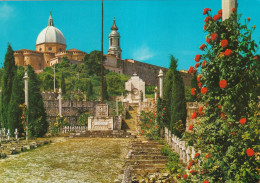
(51, 48)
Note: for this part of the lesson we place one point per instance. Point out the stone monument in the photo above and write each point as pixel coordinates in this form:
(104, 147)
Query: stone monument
(227, 6)
(135, 86)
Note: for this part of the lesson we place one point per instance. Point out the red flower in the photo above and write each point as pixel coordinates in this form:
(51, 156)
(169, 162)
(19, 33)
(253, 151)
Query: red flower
(162, 114)
(223, 115)
(208, 40)
(204, 63)
(198, 78)
(222, 83)
(206, 10)
(207, 156)
(153, 114)
(142, 131)
(191, 163)
(255, 57)
(190, 127)
(234, 133)
(224, 43)
(200, 109)
(217, 17)
(196, 155)
(192, 92)
(197, 58)
(156, 126)
(202, 47)
(197, 65)
(22, 134)
(234, 9)
(219, 106)
(194, 115)
(193, 172)
(204, 90)
(242, 121)
(191, 69)
(203, 172)
(248, 19)
(214, 36)
(205, 181)
(185, 176)
(250, 152)
(199, 85)
(228, 52)
(164, 108)
(207, 19)
(220, 11)
(221, 54)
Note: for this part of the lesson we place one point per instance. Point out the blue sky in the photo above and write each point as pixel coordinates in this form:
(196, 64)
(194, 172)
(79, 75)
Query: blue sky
(150, 30)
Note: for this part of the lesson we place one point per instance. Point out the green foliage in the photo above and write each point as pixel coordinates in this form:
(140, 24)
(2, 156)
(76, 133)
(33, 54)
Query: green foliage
(174, 165)
(230, 112)
(83, 119)
(174, 95)
(149, 90)
(8, 76)
(37, 124)
(194, 84)
(17, 98)
(89, 90)
(161, 116)
(116, 83)
(63, 84)
(56, 127)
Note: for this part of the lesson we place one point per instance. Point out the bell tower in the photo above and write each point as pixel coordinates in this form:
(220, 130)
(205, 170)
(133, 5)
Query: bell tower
(114, 41)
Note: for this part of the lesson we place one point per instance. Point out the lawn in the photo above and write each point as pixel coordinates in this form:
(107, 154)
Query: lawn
(68, 160)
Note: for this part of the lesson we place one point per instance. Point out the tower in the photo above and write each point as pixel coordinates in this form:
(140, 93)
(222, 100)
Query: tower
(114, 41)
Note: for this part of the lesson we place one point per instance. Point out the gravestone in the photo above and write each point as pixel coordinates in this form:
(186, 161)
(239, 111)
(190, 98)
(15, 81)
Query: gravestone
(135, 86)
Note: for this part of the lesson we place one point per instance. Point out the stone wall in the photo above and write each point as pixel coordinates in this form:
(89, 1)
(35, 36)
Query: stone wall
(71, 110)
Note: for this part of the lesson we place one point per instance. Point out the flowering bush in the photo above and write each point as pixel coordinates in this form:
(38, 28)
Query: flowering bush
(57, 126)
(228, 131)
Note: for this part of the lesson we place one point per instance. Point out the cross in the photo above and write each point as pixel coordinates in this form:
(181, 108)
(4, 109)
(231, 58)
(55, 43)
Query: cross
(16, 134)
(8, 134)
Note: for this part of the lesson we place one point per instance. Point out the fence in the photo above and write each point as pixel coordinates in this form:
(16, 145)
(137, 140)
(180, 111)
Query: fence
(186, 153)
(77, 129)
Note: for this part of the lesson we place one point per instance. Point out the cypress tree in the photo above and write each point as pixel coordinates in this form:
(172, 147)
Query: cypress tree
(37, 124)
(8, 75)
(63, 85)
(17, 98)
(178, 101)
(89, 90)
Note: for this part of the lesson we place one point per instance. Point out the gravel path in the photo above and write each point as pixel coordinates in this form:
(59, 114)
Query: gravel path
(68, 160)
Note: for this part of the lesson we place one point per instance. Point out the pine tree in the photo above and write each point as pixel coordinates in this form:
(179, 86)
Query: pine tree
(38, 124)
(17, 98)
(178, 101)
(8, 76)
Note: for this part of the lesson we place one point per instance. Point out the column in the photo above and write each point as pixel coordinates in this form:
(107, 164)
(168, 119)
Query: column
(227, 6)
(161, 82)
(26, 79)
(60, 103)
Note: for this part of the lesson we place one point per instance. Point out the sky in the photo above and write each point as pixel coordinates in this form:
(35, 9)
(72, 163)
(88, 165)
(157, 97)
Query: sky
(150, 30)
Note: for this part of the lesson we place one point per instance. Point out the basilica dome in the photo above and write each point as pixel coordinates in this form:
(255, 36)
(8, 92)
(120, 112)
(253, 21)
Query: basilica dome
(50, 34)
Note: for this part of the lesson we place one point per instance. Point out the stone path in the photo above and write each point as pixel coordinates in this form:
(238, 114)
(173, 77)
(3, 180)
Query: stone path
(131, 119)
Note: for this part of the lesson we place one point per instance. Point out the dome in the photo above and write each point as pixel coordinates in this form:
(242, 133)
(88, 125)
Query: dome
(50, 34)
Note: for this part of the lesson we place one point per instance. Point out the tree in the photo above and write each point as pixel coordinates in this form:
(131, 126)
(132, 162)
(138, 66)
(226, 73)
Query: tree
(37, 124)
(178, 101)
(90, 91)
(228, 128)
(63, 84)
(8, 76)
(17, 98)
(93, 63)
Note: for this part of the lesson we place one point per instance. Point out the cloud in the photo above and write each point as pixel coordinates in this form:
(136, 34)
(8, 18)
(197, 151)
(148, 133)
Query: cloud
(5, 11)
(143, 53)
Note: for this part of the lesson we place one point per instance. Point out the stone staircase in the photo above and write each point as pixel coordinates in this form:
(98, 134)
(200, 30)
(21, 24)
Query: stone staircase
(130, 121)
(145, 158)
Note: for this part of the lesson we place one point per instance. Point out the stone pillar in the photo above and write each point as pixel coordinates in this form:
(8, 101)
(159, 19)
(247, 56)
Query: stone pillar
(155, 93)
(117, 107)
(60, 104)
(16, 134)
(26, 79)
(227, 6)
(161, 82)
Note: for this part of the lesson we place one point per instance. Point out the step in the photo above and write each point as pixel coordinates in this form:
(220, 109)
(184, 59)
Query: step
(147, 162)
(137, 157)
(147, 170)
(148, 166)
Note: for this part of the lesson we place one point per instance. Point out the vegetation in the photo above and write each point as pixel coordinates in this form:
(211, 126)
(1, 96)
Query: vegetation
(149, 126)
(8, 77)
(174, 95)
(229, 77)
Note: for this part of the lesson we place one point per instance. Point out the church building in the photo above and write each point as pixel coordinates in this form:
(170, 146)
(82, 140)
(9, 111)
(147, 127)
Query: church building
(51, 48)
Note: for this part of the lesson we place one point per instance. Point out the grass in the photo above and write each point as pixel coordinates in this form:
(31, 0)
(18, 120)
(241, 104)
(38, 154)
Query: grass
(68, 160)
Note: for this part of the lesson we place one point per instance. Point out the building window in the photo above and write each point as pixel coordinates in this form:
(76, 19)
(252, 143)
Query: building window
(50, 48)
(40, 49)
(60, 49)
